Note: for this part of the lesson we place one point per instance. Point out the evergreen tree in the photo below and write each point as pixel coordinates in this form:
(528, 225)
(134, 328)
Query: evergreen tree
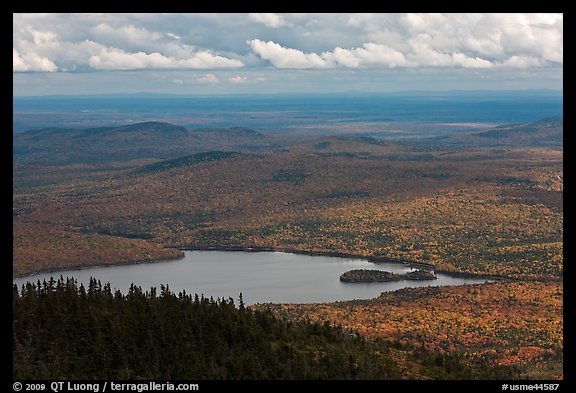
(65, 331)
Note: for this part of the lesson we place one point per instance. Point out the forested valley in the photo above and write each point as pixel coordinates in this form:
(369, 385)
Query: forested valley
(472, 203)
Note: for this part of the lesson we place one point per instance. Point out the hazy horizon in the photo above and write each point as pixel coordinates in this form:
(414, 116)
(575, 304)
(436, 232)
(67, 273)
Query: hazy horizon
(281, 110)
(318, 93)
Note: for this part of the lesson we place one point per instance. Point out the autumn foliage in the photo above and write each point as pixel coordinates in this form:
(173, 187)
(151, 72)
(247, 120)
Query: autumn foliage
(487, 212)
(504, 323)
(463, 212)
(35, 248)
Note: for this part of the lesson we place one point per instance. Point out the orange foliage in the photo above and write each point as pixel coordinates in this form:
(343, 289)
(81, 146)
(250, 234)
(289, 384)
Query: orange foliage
(44, 248)
(504, 322)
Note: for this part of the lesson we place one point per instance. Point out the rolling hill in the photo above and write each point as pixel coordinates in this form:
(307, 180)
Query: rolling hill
(135, 141)
(471, 204)
(546, 132)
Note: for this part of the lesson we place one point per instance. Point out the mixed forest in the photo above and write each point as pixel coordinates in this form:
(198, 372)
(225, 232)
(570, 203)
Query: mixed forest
(63, 330)
(482, 203)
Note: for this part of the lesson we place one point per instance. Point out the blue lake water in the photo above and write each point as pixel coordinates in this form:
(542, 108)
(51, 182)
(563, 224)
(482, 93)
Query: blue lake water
(261, 277)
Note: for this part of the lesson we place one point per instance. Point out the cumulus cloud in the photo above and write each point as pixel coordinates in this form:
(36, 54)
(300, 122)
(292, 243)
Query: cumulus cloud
(434, 40)
(106, 46)
(474, 40)
(31, 62)
(522, 62)
(18, 64)
(66, 42)
(127, 37)
(117, 59)
(286, 57)
(270, 20)
(370, 54)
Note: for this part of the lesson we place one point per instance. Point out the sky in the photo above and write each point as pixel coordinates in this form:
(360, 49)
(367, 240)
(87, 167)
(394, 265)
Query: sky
(249, 53)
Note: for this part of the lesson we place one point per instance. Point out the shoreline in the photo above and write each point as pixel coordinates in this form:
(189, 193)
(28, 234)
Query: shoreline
(376, 260)
(373, 259)
(100, 265)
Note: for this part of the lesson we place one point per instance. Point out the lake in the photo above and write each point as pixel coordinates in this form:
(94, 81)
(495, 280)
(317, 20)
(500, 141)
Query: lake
(261, 277)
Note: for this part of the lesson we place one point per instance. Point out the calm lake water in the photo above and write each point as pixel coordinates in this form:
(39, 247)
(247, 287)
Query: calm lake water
(261, 277)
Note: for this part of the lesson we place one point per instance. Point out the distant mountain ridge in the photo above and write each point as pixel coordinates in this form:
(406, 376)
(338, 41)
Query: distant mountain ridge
(151, 126)
(134, 141)
(549, 127)
(164, 141)
(548, 132)
(146, 127)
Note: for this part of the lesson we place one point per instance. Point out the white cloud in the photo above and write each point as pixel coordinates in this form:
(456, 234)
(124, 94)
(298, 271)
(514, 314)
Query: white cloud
(434, 40)
(65, 42)
(360, 20)
(208, 78)
(493, 38)
(462, 60)
(207, 59)
(536, 35)
(370, 54)
(111, 46)
(344, 57)
(421, 53)
(286, 57)
(130, 38)
(31, 62)
(42, 37)
(117, 59)
(237, 79)
(270, 20)
(18, 64)
(27, 58)
(522, 62)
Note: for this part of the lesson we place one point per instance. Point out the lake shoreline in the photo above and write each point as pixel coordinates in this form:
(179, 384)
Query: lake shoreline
(264, 276)
(99, 265)
(257, 249)
(376, 260)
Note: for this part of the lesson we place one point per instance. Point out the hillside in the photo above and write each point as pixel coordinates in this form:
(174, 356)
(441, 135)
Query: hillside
(359, 146)
(482, 210)
(349, 195)
(130, 142)
(502, 323)
(165, 165)
(94, 333)
(546, 132)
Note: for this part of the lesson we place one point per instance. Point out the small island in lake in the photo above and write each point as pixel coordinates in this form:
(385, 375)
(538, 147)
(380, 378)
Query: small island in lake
(420, 275)
(365, 275)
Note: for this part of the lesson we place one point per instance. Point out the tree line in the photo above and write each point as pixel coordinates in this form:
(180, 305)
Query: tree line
(63, 330)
